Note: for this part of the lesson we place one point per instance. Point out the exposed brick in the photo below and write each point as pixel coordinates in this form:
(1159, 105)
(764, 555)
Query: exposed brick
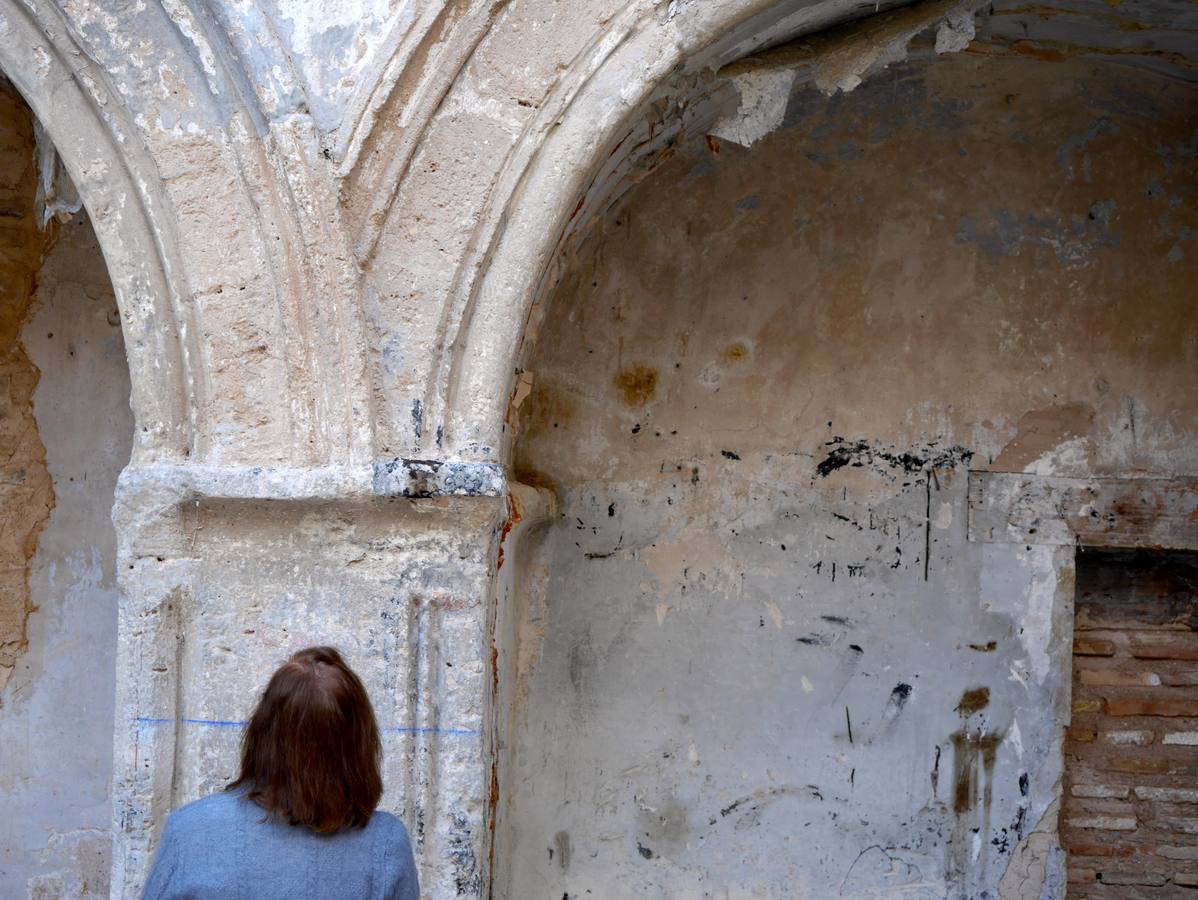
(1180, 677)
(1105, 823)
(1115, 851)
(1151, 706)
(1147, 879)
(1165, 646)
(1081, 876)
(1126, 708)
(1168, 795)
(1151, 765)
(1118, 678)
(1084, 646)
(1178, 852)
(1099, 791)
(1138, 738)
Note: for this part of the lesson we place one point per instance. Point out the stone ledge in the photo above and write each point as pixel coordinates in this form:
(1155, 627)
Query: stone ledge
(1014, 507)
(409, 478)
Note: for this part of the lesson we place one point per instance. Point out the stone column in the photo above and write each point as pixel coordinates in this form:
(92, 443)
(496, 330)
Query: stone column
(226, 572)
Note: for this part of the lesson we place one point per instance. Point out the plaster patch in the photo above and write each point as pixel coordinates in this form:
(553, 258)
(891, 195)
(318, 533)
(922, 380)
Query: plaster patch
(1036, 631)
(671, 560)
(1037, 866)
(1040, 432)
(955, 32)
(762, 107)
(944, 516)
(1070, 458)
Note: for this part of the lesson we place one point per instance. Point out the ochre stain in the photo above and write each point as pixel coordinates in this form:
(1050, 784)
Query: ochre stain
(735, 353)
(971, 781)
(29, 489)
(513, 519)
(974, 700)
(638, 384)
(1035, 51)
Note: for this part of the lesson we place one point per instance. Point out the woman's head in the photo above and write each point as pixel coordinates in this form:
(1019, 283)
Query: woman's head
(311, 752)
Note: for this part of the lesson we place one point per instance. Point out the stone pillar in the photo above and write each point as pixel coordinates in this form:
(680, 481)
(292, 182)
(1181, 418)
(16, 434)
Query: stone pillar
(226, 572)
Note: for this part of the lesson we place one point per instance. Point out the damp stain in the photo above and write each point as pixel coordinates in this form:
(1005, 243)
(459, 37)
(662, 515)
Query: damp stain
(736, 353)
(974, 754)
(637, 384)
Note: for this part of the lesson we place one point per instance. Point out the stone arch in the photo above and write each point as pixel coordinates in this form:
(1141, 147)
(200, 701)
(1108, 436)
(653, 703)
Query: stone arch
(646, 81)
(118, 183)
(233, 362)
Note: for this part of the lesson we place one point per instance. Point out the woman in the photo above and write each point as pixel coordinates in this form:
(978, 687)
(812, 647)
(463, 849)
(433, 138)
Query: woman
(300, 820)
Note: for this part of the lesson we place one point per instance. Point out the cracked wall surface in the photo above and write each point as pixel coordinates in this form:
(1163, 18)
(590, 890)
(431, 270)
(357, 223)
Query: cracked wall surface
(757, 653)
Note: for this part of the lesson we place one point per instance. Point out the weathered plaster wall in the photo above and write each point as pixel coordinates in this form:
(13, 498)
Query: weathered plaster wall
(57, 718)
(27, 493)
(757, 655)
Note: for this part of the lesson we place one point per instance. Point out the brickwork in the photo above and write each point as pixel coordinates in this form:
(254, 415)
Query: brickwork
(1130, 823)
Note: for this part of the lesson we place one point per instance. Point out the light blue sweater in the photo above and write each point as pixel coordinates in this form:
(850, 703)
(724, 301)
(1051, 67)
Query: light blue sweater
(220, 847)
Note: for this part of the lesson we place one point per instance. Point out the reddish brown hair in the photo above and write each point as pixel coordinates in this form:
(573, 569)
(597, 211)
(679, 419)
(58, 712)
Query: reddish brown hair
(311, 752)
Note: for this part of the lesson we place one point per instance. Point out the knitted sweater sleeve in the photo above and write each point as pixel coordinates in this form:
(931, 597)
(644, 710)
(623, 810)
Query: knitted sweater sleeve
(401, 864)
(160, 885)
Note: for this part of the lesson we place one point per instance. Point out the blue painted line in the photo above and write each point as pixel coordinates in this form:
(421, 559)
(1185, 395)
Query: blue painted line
(220, 723)
(461, 732)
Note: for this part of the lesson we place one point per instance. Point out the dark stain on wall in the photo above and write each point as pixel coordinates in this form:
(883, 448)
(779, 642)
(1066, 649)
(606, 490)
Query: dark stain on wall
(860, 454)
(637, 384)
(974, 700)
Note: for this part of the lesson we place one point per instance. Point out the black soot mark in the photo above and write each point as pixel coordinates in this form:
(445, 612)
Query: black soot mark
(816, 640)
(898, 699)
(857, 454)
